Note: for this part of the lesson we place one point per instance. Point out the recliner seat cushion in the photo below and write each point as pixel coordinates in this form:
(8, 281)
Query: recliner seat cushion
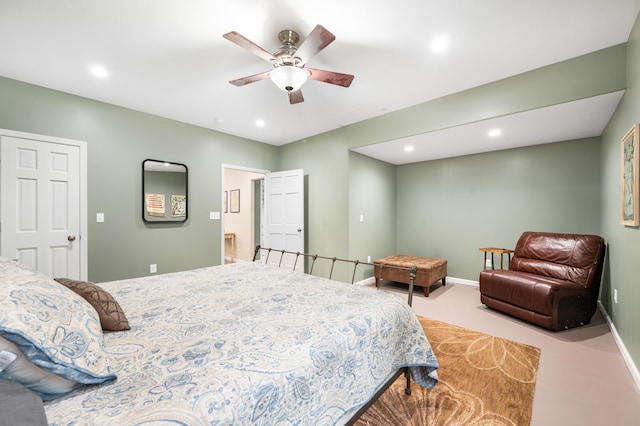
(528, 291)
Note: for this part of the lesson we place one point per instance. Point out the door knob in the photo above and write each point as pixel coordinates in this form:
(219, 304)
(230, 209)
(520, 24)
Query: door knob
(71, 238)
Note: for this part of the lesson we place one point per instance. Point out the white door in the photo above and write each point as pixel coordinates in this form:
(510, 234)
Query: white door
(284, 214)
(41, 211)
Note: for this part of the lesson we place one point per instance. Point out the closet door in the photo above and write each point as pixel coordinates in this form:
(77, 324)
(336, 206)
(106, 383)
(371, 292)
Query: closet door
(41, 204)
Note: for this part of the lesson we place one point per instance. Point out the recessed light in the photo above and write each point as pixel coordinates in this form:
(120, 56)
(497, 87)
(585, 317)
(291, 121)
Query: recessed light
(408, 148)
(440, 44)
(260, 123)
(494, 133)
(99, 71)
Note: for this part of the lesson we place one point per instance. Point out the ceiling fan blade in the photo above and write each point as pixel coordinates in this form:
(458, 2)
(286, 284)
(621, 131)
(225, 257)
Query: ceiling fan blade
(250, 79)
(296, 97)
(245, 43)
(331, 77)
(318, 39)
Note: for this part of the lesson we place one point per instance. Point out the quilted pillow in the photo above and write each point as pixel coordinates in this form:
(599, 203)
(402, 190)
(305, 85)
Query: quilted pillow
(111, 315)
(53, 327)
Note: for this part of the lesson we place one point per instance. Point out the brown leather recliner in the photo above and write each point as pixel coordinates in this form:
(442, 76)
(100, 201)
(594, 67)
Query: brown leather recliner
(553, 280)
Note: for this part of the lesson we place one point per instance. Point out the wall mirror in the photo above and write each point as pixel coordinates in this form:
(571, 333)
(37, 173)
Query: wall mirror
(164, 191)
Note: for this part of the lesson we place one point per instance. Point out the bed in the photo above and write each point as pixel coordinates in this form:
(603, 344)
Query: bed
(244, 343)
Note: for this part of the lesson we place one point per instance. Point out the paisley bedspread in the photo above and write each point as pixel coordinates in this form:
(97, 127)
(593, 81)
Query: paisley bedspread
(248, 344)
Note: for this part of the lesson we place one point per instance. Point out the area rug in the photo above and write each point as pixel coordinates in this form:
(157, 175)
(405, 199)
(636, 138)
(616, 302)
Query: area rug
(483, 380)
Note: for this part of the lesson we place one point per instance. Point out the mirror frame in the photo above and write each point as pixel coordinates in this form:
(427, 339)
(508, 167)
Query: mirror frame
(150, 219)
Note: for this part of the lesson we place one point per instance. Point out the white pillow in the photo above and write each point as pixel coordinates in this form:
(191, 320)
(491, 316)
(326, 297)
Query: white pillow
(31, 376)
(53, 327)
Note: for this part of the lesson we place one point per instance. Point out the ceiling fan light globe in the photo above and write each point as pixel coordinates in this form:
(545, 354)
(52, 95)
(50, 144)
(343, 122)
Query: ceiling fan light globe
(289, 78)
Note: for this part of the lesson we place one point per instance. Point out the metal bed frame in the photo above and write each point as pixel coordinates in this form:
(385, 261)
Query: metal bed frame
(412, 276)
(412, 271)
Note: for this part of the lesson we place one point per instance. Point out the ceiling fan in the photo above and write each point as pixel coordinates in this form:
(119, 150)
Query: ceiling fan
(289, 72)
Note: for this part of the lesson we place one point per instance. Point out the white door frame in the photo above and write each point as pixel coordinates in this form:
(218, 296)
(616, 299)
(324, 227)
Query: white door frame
(82, 146)
(223, 168)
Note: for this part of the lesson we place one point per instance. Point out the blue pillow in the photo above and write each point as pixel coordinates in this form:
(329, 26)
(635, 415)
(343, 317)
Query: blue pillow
(55, 329)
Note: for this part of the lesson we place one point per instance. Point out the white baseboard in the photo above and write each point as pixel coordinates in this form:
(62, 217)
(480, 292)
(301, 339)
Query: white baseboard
(366, 281)
(452, 280)
(621, 347)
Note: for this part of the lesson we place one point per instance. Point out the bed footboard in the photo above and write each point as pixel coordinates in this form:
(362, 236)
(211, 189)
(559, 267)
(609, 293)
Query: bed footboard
(410, 271)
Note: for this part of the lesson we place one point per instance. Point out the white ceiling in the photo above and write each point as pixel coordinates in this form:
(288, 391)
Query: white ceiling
(572, 120)
(168, 58)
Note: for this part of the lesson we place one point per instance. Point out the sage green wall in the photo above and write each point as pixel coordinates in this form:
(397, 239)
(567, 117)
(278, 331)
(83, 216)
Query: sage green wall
(118, 140)
(372, 194)
(325, 162)
(449, 208)
(623, 268)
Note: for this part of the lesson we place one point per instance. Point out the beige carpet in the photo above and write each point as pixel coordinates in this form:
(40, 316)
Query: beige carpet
(483, 380)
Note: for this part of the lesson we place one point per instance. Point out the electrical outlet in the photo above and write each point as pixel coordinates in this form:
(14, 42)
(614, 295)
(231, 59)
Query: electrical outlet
(615, 295)
(488, 263)
(368, 259)
(153, 268)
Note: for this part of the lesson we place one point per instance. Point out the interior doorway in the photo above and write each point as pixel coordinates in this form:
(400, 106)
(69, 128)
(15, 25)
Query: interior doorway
(242, 201)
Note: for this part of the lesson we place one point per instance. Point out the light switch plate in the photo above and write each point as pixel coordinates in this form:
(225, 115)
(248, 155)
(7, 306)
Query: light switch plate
(214, 215)
(99, 217)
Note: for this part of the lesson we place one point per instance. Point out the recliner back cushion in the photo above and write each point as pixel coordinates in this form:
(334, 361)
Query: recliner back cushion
(568, 257)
